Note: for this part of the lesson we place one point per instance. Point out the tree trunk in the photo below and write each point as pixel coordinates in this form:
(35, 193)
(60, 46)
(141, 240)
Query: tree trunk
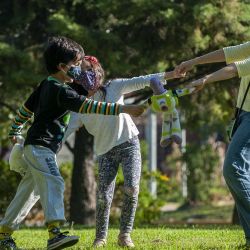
(235, 217)
(83, 191)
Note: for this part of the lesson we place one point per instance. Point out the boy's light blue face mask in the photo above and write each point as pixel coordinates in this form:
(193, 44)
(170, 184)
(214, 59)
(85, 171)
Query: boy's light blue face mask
(74, 72)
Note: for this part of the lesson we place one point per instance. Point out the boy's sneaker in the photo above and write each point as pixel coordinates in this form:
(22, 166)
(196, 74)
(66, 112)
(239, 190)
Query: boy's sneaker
(61, 240)
(99, 243)
(124, 240)
(8, 244)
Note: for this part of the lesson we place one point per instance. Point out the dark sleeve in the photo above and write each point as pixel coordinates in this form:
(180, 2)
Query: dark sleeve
(24, 114)
(33, 99)
(70, 100)
(78, 88)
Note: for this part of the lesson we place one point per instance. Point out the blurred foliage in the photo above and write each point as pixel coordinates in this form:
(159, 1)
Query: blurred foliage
(129, 37)
(66, 172)
(9, 181)
(200, 173)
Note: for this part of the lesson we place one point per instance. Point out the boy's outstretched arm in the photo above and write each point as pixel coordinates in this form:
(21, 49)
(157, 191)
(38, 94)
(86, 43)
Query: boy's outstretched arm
(133, 110)
(105, 108)
(70, 100)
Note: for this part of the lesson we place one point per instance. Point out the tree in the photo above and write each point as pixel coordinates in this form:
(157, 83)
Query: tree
(130, 37)
(83, 190)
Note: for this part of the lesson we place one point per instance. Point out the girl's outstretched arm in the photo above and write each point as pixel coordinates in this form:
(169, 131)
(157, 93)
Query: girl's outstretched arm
(126, 85)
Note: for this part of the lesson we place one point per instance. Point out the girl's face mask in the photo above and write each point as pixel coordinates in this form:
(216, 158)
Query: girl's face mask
(90, 79)
(87, 79)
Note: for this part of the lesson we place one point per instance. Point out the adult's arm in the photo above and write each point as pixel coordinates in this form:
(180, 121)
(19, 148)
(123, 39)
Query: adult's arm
(237, 53)
(212, 57)
(225, 73)
(228, 54)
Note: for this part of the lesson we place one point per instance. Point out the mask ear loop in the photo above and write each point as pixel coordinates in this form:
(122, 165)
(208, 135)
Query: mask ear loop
(61, 67)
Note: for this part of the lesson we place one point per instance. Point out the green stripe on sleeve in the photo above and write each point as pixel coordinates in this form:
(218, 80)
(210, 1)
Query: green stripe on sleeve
(103, 109)
(112, 109)
(86, 106)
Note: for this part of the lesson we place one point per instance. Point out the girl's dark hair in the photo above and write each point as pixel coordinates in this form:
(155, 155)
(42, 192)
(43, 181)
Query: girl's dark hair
(60, 49)
(104, 92)
(103, 89)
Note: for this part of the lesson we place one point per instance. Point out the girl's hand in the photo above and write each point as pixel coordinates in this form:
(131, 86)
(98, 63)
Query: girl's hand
(172, 74)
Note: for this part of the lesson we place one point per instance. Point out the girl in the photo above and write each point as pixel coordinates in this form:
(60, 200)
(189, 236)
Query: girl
(116, 141)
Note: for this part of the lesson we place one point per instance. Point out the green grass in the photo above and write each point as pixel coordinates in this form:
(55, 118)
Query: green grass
(202, 213)
(181, 237)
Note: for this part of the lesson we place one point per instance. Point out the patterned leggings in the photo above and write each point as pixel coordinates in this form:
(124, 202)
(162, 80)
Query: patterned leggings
(129, 155)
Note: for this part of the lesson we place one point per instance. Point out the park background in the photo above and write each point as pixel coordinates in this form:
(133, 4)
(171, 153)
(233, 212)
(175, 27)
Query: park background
(132, 38)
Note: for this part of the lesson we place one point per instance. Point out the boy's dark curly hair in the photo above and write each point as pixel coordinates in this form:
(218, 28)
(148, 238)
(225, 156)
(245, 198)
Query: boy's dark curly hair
(60, 49)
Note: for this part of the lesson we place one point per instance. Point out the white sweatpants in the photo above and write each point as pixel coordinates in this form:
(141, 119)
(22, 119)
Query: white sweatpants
(42, 180)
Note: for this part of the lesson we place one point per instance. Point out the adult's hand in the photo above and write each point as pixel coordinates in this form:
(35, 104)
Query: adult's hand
(198, 84)
(181, 69)
(172, 74)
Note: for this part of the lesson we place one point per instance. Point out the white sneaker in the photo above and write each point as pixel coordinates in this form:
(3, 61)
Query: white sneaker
(124, 240)
(99, 243)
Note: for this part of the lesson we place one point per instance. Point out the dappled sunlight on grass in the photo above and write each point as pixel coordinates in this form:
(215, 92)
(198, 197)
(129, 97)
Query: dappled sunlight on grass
(180, 237)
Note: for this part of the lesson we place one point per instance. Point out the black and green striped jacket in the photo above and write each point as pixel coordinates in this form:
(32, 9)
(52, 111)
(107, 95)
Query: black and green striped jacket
(50, 104)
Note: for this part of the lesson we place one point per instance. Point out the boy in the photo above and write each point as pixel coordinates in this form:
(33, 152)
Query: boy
(50, 104)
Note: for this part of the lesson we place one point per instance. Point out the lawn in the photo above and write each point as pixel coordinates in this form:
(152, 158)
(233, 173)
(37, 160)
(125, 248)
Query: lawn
(172, 237)
(202, 214)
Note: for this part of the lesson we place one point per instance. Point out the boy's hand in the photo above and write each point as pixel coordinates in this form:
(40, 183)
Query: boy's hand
(133, 110)
(17, 139)
(13, 140)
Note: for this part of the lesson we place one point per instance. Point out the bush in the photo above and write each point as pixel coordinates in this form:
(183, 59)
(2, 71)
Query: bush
(201, 163)
(9, 182)
(66, 172)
